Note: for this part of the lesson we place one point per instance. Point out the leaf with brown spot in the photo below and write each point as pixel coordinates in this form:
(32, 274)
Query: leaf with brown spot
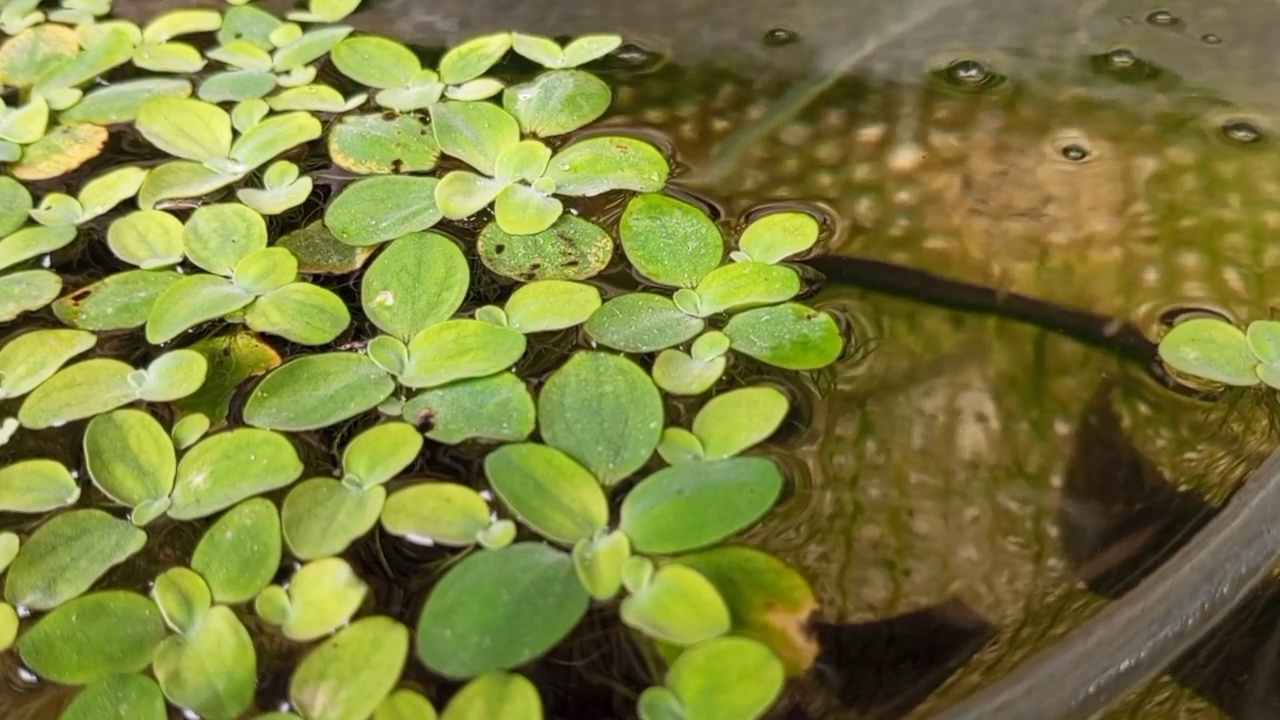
(61, 150)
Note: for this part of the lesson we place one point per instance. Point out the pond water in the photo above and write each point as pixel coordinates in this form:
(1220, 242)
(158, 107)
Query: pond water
(964, 489)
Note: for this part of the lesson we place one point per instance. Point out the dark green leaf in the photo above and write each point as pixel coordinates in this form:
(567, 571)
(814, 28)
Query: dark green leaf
(571, 249)
(498, 408)
(66, 555)
(377, 209)
(789, 336)
(548, 491)
(641, 323)
(93, 638)
(287, 400)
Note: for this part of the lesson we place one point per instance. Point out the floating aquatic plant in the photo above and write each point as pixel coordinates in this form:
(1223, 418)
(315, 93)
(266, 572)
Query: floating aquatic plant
(403, 315)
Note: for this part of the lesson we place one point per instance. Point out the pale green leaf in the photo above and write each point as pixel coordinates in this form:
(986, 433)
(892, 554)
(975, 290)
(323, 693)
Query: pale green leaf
(462, 193)
(789, 336)
(323, 595)
(94, 638)
(236, 86)
(378, 454)
(179, 180)
(678, 606)
(265, 270)
(186, 128)
(286, 399)
(670, 241)
(522, 210)
(116, 302)
(641, 323)
(78, 391)
(726, 677)
(118, 697)
(677, 373)
(36, 485)
(130, 458)
(436, 513)
(742, 285)
(66, 555)
(375, 62)
(119, 102)
(377, 209)
(417, 281)
(600, 164)
(777, 236)
(550, 305)
(32, 242)
(735, 421)
(495, 695)
(240, 553)
(193, 300)
(300, 312)
(548, 491)
(147, 238)
(268, 139)
(169, 57)
(33, 357)
(474, 132)
(348, 676)
(183, 598)
(460, 349)
(473, 58)
(228, 467)
(322, 517)
(557, 102)
(599, 561)
(212, 670)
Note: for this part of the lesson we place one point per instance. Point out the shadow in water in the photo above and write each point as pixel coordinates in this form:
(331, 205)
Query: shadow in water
(1120, 519)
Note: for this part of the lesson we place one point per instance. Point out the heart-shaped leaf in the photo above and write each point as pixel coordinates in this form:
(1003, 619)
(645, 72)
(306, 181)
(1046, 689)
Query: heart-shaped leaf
(546, 305)
(779, 235)
(523, 210)
(603, 411)
(474, 132)
(688, 506)
(534, 601)
(733, 422)
(323, 595)
(224, 469)
(463, 193)
(211, 670)
(183, 598)
(599, 561)
(217, 237)
(286, 399)
(678, 373)
(548, 491)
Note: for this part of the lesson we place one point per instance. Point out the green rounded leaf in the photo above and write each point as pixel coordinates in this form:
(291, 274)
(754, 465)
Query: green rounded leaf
(22, 292)
(9, 546)
(436, 513)
(642, 323)
(675, 372)
(604, 412)
(300, 312)
(473, 58)
(417, 281)
(32, 52)
(777, 236)
(212, 670)
(550, 305)
(34, 241)
(66, 555)
(36, 485)
(33, 357)
(599, 562)
(523, 210)
(173, 376)
(463, 193)
(460, 349)
(217, 237)
(474, 132)
(670, 241)
(183, 598)
(726, 677)
(180, 179)
(405, 705)
(273, 136)
(495, 695)
(678, 606)
(93, 638)
(287, 400)
(130, 458)
(378, 145)
(768, 600)
(78, 391)
(688, 506)
(377, 209)
(498, 407)
(120, 102)
(735, 421)
(116, 302)
(548, 491)
(240, 553)
(15, 204)
(348, 675)
(557, 102)
(1211, 349)
(308, 47)
(375, 62)
(679, 446)
(323, 595)
(265, 270)
(533, 601)
(236, 86)
(248, 23)
(63, 149)
(790, 336)
(322, 517)
(745, 284)
(118, 697)
(601, 164)
(380, 453)
(224, 469)
(186, 128)
(571, 249)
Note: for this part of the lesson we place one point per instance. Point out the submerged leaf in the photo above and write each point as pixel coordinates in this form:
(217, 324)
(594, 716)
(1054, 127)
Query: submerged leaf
(93, 638)
(320, 253)
(534, 601)
(226, 468)
(233, 358)
(240, 553)
(286, 399)
(66, 555)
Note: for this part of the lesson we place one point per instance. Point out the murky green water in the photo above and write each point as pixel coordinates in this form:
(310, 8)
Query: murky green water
(1003, 479)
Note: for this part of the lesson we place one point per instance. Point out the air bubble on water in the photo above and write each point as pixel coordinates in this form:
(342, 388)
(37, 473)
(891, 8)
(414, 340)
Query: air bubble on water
(1162, 18)
(190, 715)
(488, 496)
(75, 474)
(46, 261)
(779, 36)
(1241, 131)
(27, 676)
(57, 423)
(1211, 39)
(968, 72)
(1075, 152)
(1121, 58)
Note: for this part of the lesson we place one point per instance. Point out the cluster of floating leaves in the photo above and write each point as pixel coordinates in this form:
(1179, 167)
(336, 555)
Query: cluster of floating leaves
(544, 537)
(1215, 350)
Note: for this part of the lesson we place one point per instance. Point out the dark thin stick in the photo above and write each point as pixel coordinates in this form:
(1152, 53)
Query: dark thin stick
(1108, 333)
